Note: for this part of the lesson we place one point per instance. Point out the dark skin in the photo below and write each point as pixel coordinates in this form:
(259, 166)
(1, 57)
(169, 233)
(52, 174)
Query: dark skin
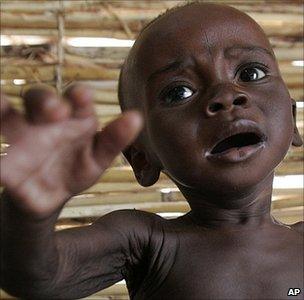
(228, 246)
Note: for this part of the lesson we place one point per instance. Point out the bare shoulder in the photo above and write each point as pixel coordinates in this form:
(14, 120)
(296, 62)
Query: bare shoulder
(129, 221)
(132, 229)
(299, 227)
(128, 217)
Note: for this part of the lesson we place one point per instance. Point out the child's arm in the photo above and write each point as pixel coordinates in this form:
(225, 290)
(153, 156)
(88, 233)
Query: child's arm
(55, 153)
(39, 263)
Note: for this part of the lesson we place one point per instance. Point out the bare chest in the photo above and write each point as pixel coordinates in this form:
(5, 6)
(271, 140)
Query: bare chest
(230, 269)
(235, 276)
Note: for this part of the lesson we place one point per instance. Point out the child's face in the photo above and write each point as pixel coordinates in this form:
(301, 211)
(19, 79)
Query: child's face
(206, 75)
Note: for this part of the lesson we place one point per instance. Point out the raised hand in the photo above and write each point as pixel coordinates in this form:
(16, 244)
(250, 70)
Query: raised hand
(55, 151)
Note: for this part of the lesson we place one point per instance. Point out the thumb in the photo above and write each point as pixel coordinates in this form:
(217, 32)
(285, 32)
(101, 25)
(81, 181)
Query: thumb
(112, 139)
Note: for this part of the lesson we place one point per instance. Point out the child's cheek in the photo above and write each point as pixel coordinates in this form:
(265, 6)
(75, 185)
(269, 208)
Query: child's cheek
(274, 101)
(173, 135)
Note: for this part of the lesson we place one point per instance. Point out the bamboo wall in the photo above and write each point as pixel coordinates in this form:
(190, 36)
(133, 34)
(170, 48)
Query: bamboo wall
(54, 62)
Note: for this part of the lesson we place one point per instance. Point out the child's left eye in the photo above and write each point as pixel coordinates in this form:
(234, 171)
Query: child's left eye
(251, 74)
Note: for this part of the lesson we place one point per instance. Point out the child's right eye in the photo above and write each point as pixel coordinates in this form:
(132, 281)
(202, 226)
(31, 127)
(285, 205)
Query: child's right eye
(177, 94)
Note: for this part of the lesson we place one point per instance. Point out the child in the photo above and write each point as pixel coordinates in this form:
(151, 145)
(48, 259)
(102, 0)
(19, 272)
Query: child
(217, 120)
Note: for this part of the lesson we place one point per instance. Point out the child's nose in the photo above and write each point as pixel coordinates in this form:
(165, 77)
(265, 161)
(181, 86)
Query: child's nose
(226, 98)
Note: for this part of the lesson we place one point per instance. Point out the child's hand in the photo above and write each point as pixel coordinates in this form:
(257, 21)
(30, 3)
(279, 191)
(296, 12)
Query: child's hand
(54, 150)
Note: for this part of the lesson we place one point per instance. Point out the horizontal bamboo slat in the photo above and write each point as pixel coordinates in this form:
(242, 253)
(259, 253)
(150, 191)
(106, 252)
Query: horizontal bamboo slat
(105, 17)
(291, 6)
(134, 195)
(115, 292)
(42, 73)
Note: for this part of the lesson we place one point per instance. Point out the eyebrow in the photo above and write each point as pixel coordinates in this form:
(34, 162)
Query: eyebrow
(248, 49)
(172, 66)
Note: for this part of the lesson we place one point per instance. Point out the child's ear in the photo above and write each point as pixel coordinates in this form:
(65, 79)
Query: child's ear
(145, 172)
(297, 140)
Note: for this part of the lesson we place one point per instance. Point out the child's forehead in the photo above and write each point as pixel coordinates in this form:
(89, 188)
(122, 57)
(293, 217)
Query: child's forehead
(197, 28)
(211, 18)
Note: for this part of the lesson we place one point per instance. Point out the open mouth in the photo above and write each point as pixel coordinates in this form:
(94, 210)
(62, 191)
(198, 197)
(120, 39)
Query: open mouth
(238, 141)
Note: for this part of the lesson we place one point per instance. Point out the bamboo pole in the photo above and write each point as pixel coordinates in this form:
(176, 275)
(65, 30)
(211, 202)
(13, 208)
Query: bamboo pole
(115, 198)
(113, 194)
(289, 212)
(287, 203)
(100, 210)
(115, 292)
(118, 34)
(245, 5)
(47, 73)
(133, 187)
(60, 50)
(273, 23)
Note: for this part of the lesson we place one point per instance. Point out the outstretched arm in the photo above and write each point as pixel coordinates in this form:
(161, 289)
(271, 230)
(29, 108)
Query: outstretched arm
(54, 154)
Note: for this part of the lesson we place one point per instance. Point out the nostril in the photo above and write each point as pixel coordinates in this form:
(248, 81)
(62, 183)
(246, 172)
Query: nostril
(214, 107)
(240, 101)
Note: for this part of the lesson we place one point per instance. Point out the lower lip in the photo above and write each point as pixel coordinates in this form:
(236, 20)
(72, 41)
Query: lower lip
(235, 155)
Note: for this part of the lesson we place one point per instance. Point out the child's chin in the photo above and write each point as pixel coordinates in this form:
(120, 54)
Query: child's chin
(235, 181)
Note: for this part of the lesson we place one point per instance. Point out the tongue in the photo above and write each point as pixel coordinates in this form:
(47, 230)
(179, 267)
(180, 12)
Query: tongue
(236, 141)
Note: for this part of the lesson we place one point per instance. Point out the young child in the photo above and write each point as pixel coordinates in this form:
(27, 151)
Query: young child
(217, 120)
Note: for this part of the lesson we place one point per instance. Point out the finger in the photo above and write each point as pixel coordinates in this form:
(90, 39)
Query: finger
(42, 105)
(115, 137)
(80, 98)
(11, 122)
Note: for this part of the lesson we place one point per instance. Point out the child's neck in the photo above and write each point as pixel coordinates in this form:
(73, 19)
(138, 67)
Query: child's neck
(248, 210)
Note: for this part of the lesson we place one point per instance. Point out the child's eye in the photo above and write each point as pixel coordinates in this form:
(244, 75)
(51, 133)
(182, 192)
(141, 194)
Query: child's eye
(252, 74)
(177, 94)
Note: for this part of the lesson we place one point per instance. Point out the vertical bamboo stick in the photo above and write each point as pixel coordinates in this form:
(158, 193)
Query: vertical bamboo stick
(60, 50)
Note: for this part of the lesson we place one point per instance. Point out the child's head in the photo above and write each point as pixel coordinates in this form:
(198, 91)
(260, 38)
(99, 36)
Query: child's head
(200, 74)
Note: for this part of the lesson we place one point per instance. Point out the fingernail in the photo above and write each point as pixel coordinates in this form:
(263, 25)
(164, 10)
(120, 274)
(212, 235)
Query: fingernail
(137, 118)
(51, 103)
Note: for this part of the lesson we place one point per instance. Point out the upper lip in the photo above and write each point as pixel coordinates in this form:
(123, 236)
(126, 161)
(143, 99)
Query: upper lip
(238, 127)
